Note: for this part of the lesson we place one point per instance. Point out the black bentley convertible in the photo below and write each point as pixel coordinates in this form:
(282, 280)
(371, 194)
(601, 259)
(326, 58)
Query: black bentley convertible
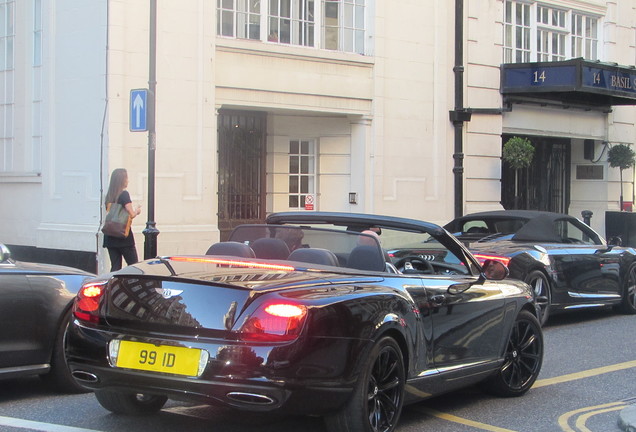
(567, 263)
(307, 314)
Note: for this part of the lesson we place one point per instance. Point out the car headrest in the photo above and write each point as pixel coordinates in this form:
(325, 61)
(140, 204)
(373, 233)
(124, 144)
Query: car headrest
(367, 258)
(231, 248)
(270, 248)
(314, 256)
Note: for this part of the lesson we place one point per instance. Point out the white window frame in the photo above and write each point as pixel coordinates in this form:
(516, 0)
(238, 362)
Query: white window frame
(585, 41)
(7, 76)
(517, 32)
(292, 22)
(552, 32)
(350, 26)
(548, 33)
(303, 157)
(37, 33)
(36, 128)
(298, 23)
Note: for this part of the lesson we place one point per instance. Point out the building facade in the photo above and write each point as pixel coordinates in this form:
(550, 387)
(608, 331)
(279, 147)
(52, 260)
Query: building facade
(275, 105)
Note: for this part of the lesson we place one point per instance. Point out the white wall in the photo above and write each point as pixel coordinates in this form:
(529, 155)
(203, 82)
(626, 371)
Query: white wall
(185, 155)
(52, 202)
(412, 144)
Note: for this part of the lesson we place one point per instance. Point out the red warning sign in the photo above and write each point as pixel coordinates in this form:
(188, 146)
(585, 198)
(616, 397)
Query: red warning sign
(309, 202)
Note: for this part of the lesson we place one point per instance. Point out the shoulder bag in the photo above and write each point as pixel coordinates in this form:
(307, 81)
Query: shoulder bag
(117, 221)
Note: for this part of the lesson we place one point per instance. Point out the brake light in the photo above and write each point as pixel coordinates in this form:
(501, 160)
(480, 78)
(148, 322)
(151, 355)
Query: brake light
(234, 263)
(482, 258)
(274, 322)
(87, 302)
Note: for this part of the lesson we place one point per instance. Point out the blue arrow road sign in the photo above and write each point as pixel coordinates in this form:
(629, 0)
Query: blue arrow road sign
(138, 110)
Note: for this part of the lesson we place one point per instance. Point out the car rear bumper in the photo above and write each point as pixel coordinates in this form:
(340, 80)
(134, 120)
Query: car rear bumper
(254, 378)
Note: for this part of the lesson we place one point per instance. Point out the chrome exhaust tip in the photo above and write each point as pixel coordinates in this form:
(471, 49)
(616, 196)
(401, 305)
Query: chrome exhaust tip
(250, 398)
(84, 376)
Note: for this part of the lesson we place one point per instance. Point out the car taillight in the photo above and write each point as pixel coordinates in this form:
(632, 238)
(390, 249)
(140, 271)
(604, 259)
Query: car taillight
(87, 302)
(482, 258)
(274, 322)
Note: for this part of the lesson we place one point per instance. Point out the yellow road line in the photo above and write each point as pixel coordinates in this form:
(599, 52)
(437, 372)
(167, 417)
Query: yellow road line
(463, 421)
(564, 419)
(584, 374)
(580, 422)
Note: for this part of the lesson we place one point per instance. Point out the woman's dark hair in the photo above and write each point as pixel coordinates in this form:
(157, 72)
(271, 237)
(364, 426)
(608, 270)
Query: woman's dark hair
(117, 185)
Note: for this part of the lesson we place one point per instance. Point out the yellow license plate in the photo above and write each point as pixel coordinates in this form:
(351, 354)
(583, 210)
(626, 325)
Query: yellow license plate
(159, 358)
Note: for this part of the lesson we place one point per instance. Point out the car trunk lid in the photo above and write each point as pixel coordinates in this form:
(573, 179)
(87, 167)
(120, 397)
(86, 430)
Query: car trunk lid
(192, 298)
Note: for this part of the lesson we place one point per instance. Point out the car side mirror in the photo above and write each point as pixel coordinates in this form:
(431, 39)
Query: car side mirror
(615, 241)
(458, 288)
(5, 254)
(495, 270)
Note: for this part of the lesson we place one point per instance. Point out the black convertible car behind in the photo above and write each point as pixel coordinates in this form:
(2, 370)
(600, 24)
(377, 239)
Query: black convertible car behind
(307, 315)
(35, 306)
(567, 263)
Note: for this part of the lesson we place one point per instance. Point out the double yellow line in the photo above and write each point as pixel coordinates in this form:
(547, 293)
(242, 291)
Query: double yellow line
(584, 374)
(563, 419)
(581, 420)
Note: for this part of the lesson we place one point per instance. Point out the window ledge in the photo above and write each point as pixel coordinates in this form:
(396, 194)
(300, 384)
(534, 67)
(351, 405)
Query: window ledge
(284, 50)
(20, 177)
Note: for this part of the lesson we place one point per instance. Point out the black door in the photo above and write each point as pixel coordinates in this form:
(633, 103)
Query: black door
(545, 184)
(241, 150)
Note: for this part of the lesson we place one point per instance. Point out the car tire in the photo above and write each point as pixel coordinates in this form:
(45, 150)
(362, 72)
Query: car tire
(541, 287)
(377, 399)
(522, 359)
(130, 403)
(628, 304)
(59, 377)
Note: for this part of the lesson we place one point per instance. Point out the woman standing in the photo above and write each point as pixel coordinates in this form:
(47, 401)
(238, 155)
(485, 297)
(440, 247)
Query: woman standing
(120, 247)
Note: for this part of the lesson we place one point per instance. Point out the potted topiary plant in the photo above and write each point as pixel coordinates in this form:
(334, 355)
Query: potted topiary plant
(518, 153)
(623, 157)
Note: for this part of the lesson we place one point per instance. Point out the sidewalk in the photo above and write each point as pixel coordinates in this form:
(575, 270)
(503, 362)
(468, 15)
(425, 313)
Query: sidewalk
(627, 419)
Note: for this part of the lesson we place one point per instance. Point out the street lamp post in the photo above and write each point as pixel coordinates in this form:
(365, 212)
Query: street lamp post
(151, 232)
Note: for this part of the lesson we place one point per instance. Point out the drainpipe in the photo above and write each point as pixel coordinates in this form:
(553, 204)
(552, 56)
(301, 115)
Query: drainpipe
(459, 115)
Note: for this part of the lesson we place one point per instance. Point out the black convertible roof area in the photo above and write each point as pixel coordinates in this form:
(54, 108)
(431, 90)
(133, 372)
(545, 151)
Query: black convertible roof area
(513, 214)
(539, 225)
(359, 220)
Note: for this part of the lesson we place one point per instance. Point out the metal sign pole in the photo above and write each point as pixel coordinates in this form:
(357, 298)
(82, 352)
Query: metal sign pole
(151, 232)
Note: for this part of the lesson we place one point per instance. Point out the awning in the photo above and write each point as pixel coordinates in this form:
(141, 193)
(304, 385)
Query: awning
(577, 81)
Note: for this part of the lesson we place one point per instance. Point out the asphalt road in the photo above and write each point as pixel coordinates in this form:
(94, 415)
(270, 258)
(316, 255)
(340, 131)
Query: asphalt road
(588, 377)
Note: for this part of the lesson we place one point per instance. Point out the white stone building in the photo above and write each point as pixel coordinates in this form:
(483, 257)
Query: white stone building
(261, 103)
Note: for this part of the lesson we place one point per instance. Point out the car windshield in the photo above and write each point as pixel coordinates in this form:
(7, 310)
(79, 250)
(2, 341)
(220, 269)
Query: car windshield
(316, 245)
(362, 250)
(541, 229)
(492, 226)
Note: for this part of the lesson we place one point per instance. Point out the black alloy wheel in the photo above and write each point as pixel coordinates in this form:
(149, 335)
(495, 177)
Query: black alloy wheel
(376, 403)
(543, 297)
(522, 360)
(628, 305)
(59, 377)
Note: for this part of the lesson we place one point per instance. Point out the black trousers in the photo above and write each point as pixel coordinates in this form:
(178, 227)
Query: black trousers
(129, 253)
